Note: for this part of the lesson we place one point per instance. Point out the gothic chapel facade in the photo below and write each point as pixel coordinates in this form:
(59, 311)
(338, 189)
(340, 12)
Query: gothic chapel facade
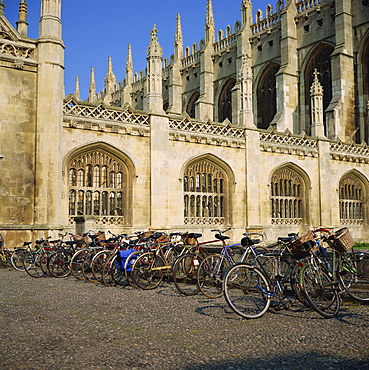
(261, 126)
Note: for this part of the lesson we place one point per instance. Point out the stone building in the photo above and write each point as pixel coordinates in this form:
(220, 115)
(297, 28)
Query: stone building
(260, 126)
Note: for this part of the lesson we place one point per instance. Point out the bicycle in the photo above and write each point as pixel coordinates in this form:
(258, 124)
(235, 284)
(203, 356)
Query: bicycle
(249, 287)
(212, 268)
(324, 279)
(5, 254)
(186, 267)
(149, 268)
(35, 262)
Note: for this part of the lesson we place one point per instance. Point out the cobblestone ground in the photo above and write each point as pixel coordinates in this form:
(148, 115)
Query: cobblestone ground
(50, 323)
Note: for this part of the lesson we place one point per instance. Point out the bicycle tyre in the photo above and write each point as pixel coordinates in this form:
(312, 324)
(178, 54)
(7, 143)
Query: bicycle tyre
(58, 264)
(76, 263)
(147, 273)
(87, 268)
(98, 263)
(185, 274)
(32, 265)
(17, 258)
(355, 275)
(245, 290)
(210, 275)
(128, 268)
(106, 276)
(319, 291)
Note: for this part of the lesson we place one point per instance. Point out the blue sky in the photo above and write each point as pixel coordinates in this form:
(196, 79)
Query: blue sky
(96, 29)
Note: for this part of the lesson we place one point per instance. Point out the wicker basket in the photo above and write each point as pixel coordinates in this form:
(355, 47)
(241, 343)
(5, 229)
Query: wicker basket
(302, 246)
(341, 240)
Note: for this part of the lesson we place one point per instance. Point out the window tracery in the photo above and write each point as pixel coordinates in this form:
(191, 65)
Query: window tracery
(351, 195)
(225, 101)
(96, 185)
(204, 187)
(267, 97)
(287, 200)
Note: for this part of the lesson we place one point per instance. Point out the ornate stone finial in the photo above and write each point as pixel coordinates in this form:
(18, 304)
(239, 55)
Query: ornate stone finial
(2, 7)
(316, 88)
(77, 94)
(316, 94)
(178, 39)
(92, 89)
(129, 66)
(110, 77)
(154, 48)
(129, 62)
(22, 14)
(209, 14)
(22, 25)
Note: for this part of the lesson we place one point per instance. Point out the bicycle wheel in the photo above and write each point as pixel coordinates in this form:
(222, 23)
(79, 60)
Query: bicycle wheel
(147, 271)
(210, 275)
(106, 276)
(44, 259)
(185, 274)
(58, 263)
(355, 275)
(296, 286)
(320, 291)
(98, 263)
(17, 259)
(245, 290)
(76, 263)
(86, 266)
(32, 264)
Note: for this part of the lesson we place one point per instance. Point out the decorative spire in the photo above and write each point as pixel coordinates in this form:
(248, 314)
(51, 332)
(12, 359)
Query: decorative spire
(77, 94)
(92, 88)
(210, 14)
(129, 65)
(22, 14)
(2, 7)
(110, 78)
(316, 95)
(154, 48)
(209, 23)
(22, 25)
(246, 10)
(178, 39)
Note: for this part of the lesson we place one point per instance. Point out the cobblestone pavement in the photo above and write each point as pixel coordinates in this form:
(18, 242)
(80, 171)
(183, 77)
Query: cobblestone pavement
(50, 323)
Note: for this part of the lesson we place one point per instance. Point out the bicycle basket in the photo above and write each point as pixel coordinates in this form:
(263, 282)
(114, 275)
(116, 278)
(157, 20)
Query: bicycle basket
(302, 246)
(341, 240)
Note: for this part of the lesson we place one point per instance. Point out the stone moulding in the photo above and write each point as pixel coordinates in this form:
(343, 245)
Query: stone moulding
(288, 144)
(349, 152)
(14, 50)
(206, 127)
(100, 111)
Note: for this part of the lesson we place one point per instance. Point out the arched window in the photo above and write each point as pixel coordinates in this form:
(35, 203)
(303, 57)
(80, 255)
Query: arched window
(225, 101)
(320, 61)
(204, 200)
(192, 104)
(287, 200)
(351, 195)
(96, 186)
(267, 96)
